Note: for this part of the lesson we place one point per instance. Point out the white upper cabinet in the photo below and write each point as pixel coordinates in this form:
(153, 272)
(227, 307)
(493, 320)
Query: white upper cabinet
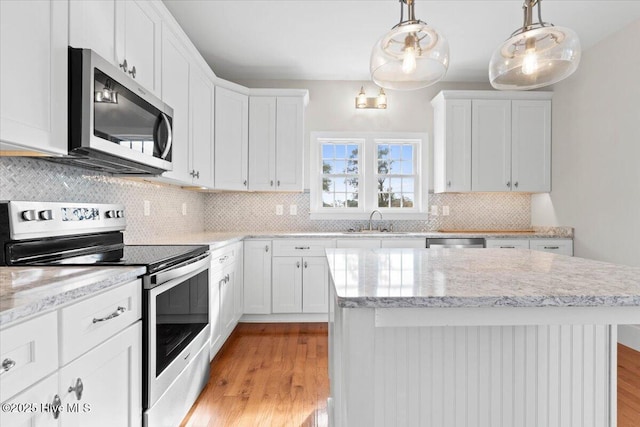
(33, 77)
(492, 141)
(531, 145)
(231, 139)
(276, 136)
(452, 144)
(201, 92)
(120, 31)
(490, 145)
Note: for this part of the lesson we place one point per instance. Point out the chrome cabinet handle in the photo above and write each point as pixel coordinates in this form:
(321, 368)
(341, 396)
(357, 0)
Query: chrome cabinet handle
(133, 72)
(515, 184)
(56, 404)
(305, 264)
(221, 282)
(303, 247)
(298, 264)
(552, 247)
(120, 310)
(7, 364)
(507, 247)
(223, 259)
(227, 278)
(78, 389)
(197, 174)
(266, 248)
(245, 183)
(271, 184)
(124, 66)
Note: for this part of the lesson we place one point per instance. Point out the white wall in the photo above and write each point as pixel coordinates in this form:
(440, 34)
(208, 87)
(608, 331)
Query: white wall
(332, 108)
(596, 152)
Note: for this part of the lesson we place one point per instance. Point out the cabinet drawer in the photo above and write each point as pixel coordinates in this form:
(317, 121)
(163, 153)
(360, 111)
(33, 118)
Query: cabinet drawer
(300, 247)
(225, 256)
(90, 322)
(556, 246)
(507, 243)
(30, 350)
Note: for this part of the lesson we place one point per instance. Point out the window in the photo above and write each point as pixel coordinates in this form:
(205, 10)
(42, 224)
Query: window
(353, 174)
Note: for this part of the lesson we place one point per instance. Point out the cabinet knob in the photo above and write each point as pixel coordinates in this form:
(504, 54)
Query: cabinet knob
(245, 183)
(124, 66)
(266, 248)
(192, 173)
(298, 264)
(278, 183)
(305, 264)
(56, 405)
(79, 387)
(197, 175)
(449, 184)
(515, 184)
(509, 184)
(7, 364)
(133, 72)
(271, 184)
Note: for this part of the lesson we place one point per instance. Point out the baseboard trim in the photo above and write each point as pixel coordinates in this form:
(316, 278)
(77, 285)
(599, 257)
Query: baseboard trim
(629, 335)
(285, 318)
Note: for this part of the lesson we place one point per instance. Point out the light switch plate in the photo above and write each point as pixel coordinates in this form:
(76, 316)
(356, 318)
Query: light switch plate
(279, 209)
(293, 209)
(434, 210)
(147, 208)
(445, 211)
(184, 208)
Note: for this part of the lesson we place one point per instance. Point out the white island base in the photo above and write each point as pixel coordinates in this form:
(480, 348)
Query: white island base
(430, 367)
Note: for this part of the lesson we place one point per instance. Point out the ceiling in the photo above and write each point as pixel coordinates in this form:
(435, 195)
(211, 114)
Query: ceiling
(332, 39)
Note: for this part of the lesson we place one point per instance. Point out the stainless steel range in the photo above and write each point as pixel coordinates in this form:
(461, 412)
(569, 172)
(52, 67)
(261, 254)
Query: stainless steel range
(175, 289)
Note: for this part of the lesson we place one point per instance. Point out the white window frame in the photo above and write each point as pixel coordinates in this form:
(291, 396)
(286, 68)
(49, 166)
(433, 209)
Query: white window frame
(367, 191)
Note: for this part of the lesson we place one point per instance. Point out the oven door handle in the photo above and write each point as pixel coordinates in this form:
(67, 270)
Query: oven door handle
(181, 270)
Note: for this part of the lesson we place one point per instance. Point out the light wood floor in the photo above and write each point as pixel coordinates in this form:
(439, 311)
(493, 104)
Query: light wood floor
(276, 375)
(267, 375)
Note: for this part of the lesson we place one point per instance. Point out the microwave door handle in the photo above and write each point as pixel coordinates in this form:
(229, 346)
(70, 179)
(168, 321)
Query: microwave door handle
(167, 147)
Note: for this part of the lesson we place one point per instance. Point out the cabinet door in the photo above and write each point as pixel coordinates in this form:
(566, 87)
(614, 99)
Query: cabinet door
(33, 76)
(85, 18)
(215, 321)
(491, 145)
(289, 143)
(556, 246)
(231, 139)
(531, 146)
(42, 393)
(507, 243)
(257, 276)
(238, 285)
(227, 302)
(111, 379)
(175, 90)
(287, 285)
(201, 114)
(452, 145)
(315, 285)
(138, 35)
(262, 143)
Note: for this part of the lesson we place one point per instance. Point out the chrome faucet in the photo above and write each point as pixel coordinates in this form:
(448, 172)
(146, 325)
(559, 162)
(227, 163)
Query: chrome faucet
(371, 216)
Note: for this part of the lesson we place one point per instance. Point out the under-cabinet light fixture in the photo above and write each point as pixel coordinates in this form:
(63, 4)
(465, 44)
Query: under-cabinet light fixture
(379, 102)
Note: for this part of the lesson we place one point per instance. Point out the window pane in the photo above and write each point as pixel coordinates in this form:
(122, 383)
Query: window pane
(327, 200)
(352, 185)
(396, 184)
(407, 167)
(341, 152)
(407, 200)
(383, 200)
(352, 166)
(383, 167)
(327, 184)
(383, 151)
(395, 201)
(407, 152)
(383, 184)
(340, 185)
(395, 151)
(352, 200)
(339, 166)
(327, 166)
(352, 151)
(394, 167)
(340, 200)
(408, 185)
(327, 151)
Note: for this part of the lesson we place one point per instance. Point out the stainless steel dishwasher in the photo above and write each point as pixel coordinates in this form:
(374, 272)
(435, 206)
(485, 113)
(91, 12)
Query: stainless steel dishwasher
(477, 242)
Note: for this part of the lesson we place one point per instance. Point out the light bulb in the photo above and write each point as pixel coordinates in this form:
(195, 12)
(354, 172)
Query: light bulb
(409, 61)
(361, 99)
(106, 94)
(530, 62)
(382, 99)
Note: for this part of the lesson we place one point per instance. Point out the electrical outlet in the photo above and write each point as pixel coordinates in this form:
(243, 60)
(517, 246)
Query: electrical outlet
(445, 211)
(184, 209)
(293, 209)
(434, 210)
(279, 209)
(147, 208)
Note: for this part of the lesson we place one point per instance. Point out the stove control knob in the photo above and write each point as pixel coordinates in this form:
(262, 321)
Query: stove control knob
(110, 214)
(46, 215)
(29, 215)
(120, 214)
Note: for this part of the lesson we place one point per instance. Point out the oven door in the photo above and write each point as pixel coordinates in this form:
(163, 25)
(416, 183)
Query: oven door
(177, 325)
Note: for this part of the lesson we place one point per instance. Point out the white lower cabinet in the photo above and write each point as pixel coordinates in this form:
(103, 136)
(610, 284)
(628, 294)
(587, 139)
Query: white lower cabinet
(361, 243)
(97, 381)
(257, 277)
(300, 285)
(315, 285)
(409, 242)
(558, 246)
(103, 387)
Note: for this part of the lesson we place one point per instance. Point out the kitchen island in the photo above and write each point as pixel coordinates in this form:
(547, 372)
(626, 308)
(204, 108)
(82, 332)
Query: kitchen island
(467, 337)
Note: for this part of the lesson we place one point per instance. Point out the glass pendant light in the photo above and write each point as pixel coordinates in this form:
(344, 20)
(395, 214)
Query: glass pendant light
(535, 55)
(411, 56)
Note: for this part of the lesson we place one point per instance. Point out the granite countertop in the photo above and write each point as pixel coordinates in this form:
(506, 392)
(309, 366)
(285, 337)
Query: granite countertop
(219, 239)
(477, 278)
(29, 290)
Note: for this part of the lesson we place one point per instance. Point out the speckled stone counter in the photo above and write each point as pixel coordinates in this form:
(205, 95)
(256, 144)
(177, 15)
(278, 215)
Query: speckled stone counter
(25, 291)
(391, 278)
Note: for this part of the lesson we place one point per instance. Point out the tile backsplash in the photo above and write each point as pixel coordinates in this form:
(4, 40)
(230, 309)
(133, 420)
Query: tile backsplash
(23, 178)
(256, 211)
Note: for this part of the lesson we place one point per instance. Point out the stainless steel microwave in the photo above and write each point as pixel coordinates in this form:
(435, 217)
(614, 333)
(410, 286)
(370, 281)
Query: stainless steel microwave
(115, 125)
